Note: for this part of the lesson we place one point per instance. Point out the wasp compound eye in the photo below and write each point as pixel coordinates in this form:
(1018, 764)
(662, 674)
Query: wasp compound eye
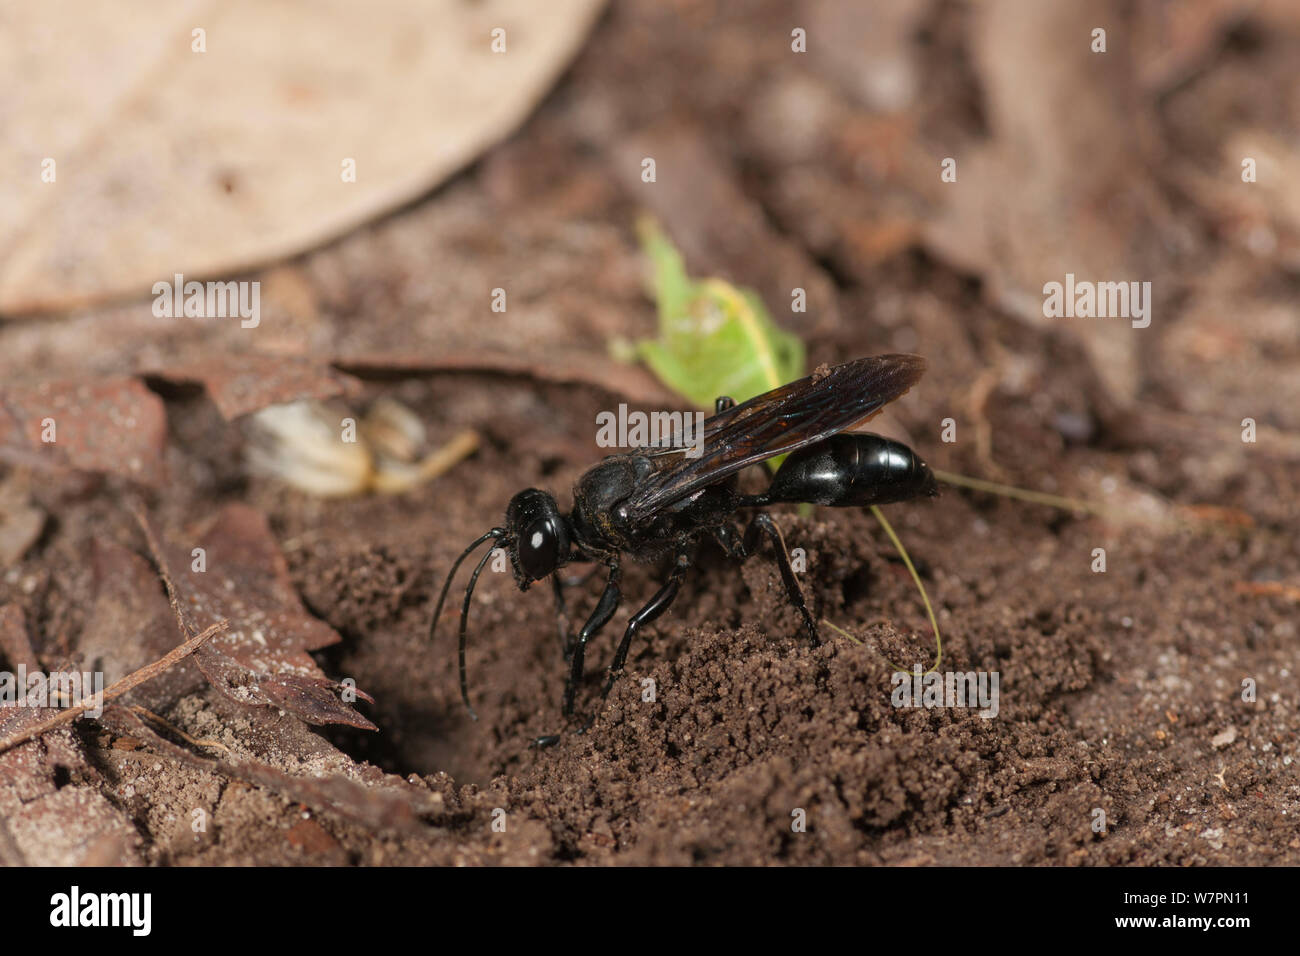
(539, 549)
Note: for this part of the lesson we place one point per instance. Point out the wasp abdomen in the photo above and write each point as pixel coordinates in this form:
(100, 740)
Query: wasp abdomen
(852, 470)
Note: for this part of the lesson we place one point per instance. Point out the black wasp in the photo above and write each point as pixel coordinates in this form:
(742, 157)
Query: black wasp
(658, 502)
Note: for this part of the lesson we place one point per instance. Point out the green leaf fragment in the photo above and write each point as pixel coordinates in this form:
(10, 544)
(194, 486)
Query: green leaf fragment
(714, 339)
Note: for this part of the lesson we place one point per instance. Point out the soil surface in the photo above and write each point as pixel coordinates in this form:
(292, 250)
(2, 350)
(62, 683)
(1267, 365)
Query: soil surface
(1125, 693)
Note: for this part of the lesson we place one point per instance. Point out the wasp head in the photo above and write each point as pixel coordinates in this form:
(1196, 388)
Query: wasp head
(537, 536)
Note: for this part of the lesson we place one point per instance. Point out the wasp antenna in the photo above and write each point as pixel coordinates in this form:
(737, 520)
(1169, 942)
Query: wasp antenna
(437, 612)
(464, 621)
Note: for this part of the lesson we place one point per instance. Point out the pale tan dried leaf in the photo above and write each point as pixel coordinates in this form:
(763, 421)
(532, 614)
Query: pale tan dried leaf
(1055, 190)
(174, 161)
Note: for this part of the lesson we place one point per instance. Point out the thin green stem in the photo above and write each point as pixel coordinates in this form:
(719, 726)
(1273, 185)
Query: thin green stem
(925, 598)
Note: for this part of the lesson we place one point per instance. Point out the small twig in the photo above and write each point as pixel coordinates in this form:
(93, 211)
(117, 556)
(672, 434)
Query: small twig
(196, 742)
(1268, 589)
(1183, 517)
(118, 688)
(629, 381)
(977, 399)
(155, 549)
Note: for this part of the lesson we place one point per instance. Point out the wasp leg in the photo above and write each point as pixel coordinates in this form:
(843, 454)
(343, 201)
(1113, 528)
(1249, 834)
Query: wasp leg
(652, 609)
(763, 526)
(558, 584)
(604, 610)
(561, 616)
(729, 539)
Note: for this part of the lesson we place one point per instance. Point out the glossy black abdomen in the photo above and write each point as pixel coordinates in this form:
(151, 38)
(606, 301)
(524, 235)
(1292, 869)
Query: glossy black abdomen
(849, 470)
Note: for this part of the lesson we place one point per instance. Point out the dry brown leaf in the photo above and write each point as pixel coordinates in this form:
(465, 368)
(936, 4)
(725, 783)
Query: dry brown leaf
(21, 524)
(131, 625)
(628, 381)
(169, 160)
(263, 659)
(1057, 189)
(45, 821)
(246, 382)
(112, 425)
(68, 825)
(14, 642)
(92, 701)
(393, 807)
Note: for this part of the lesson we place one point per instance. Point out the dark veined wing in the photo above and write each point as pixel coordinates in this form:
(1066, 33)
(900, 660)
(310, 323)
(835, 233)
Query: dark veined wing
(774, 423)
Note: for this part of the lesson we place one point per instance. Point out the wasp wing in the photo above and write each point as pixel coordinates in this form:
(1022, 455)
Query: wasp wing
(775, 423)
